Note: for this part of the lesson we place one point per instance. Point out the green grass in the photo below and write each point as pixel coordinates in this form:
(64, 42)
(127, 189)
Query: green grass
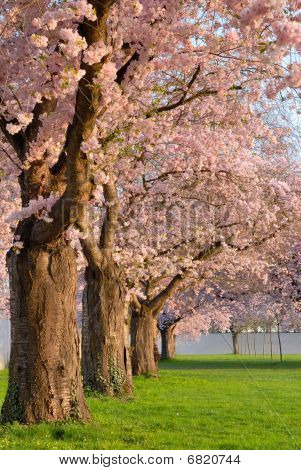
(199, 402)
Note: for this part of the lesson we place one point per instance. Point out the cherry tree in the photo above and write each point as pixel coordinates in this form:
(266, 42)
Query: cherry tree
(86, 86)
(266, 298)
(176, 93)
(196, 232)
(283, 289)
(46, 113)
(189, 315)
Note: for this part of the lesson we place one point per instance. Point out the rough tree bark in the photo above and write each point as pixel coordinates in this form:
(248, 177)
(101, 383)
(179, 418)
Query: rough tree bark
(44, 370)
(168, 343)
(105, 340)
(145, 355)
(45, 381)
(106, 353)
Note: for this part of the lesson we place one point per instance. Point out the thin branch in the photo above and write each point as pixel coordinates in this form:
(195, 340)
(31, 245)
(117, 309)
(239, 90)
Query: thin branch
(158, 301)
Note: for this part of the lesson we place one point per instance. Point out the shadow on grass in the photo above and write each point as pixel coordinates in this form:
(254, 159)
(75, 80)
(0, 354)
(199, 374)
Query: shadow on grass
(230, 362)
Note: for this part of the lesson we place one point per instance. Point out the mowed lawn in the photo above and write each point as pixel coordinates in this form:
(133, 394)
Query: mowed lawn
(199, 402)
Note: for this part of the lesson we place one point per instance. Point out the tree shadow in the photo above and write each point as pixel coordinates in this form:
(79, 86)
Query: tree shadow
(230, 362)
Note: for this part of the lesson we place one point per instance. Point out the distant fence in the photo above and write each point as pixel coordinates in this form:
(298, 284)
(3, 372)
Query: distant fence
(214, 343)
(259, 343)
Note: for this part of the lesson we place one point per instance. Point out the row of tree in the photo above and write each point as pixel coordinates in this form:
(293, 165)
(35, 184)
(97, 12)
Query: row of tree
(239, 302)
(139, 144)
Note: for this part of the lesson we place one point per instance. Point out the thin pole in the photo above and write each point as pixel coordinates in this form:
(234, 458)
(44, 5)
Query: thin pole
(264, 333)
(271, 343)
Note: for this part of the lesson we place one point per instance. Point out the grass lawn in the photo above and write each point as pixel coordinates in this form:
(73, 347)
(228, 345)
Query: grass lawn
(199, 402)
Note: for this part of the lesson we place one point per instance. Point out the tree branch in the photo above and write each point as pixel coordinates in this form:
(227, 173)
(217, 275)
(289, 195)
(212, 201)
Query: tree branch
(17, 141)
(72, 205)
(158, 301)
(45, 107)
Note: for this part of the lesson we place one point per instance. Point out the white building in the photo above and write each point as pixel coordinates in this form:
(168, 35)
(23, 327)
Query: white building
(4, 342)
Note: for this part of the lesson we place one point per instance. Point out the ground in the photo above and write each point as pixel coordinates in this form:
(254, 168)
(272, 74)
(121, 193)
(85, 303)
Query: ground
(199, 402)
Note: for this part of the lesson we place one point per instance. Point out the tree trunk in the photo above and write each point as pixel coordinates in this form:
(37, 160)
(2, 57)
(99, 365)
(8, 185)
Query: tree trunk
(279, 342)
(143, 341)
(168, 343)
(44, 371)
(263, 346)
(105, 341)
(235, 342)
(248, 343)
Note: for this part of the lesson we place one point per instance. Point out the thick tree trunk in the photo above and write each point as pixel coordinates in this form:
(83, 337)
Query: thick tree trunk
(143, 341)
(235, 342)
(105, 341)
(44, 371)
(168, 343)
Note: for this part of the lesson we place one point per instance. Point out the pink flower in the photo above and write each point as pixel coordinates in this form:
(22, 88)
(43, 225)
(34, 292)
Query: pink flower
(39, 41)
